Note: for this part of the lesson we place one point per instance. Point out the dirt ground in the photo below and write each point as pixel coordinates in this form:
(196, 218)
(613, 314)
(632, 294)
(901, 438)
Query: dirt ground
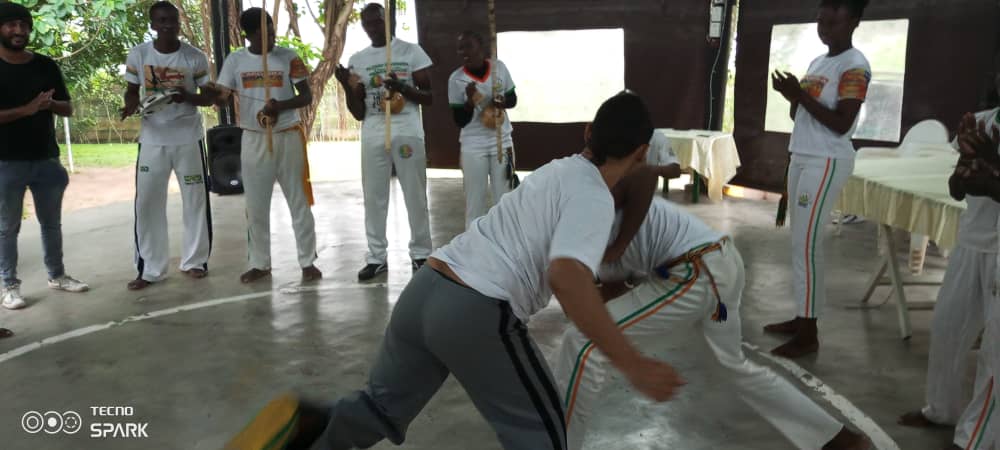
(92, 186)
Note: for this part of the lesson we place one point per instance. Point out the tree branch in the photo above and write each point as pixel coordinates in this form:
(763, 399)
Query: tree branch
(293, 18)
(315, 19)
(206, 30)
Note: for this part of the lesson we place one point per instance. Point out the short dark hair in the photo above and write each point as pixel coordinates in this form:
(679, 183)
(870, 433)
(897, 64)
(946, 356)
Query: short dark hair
(374, 6)
(474, 35)
(163, 4)
(855, 7)
(250, 20)
(621, 125)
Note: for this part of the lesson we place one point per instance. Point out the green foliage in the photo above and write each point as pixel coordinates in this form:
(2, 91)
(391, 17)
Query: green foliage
(101, 155)
(308, 53)
(86, 36)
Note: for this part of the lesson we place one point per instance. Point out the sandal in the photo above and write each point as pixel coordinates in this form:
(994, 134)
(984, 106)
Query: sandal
(138, 284)
(253, 275)
(195, 273)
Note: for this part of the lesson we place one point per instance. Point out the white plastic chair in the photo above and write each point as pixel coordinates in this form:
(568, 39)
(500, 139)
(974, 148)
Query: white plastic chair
(925, 137)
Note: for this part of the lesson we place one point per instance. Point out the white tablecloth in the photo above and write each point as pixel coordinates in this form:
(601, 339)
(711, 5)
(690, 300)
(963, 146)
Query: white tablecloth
(710, 153)
(907, 193)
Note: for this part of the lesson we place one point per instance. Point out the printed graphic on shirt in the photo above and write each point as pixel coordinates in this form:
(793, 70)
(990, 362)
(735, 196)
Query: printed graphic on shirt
(854, 84)
(252, 80)
(376, 77)
(813, 85)
(158, 78)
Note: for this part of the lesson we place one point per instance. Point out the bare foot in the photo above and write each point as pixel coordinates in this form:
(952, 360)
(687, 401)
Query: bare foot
(138, 284)
(311, 273)
(253, 275)
(915, 419)
(848, 440)
(786, 327)
(797, 347)
(196, 273)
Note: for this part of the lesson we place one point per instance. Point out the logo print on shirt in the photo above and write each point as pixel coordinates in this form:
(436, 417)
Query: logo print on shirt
(813, 85)
(162, 78)
(252, 80)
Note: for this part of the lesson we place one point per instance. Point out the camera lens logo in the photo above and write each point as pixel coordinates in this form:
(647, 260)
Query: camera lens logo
(32, 422)
(51, 422)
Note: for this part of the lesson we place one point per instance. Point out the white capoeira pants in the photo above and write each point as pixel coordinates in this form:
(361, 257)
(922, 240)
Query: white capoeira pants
(481, 167)
(410, 158)
(152, 176)
(814, 185)
(964, 303)
(288, 165)
(657, 306)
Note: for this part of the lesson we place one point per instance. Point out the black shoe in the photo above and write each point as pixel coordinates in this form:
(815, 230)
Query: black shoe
(418, 263)
(371, 271)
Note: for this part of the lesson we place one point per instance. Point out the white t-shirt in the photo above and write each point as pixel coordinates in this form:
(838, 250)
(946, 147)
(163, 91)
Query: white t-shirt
(177, 123)
(475, 137)
(660, 152)
(830, 80)
(243, 72)
(977, 227)
(667, 233)
(369, 64)
(562, 210)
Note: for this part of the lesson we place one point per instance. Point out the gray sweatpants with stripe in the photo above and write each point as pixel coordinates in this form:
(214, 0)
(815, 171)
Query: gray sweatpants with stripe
(439, 327)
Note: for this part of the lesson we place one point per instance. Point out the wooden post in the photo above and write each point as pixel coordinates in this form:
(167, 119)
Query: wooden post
(498, 114)
(387, 100)
(267, 74)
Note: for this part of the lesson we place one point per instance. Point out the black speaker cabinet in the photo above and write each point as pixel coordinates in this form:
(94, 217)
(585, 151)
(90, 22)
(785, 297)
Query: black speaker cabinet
(224, 159)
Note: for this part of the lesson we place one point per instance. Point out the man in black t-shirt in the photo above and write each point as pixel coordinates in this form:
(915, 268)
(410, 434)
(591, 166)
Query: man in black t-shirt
(31, 91)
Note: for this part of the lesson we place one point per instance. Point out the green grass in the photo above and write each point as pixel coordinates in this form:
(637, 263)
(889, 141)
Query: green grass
(100, 155)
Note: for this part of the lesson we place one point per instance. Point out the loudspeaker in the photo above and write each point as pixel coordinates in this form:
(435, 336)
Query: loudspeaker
(224, 159)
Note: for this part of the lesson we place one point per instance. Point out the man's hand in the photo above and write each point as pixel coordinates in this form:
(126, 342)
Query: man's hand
(342, 74)
(615, 251)
(393, 84)
(182, 95)
(787, 84)
(471, 90)
(978, 143)
(655, 379)
(271, 111)
(499, 102)
(41, 102)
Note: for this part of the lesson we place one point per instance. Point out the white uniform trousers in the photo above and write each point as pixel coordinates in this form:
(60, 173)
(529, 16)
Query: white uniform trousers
(481, 168)
(288, 165)
(686, 299)
(963, 304)
(814, 185)
(409, 157)
(152, 176)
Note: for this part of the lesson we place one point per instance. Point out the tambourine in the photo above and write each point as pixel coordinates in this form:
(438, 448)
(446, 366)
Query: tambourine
(157, 101)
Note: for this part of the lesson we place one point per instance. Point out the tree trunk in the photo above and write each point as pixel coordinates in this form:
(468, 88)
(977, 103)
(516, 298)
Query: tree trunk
(338, 14)
(234, 25)
(206, 31)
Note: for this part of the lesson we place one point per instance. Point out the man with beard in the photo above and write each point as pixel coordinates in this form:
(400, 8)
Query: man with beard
(31, 91)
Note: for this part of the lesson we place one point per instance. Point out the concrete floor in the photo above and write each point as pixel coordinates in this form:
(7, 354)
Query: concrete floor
(197, 375)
